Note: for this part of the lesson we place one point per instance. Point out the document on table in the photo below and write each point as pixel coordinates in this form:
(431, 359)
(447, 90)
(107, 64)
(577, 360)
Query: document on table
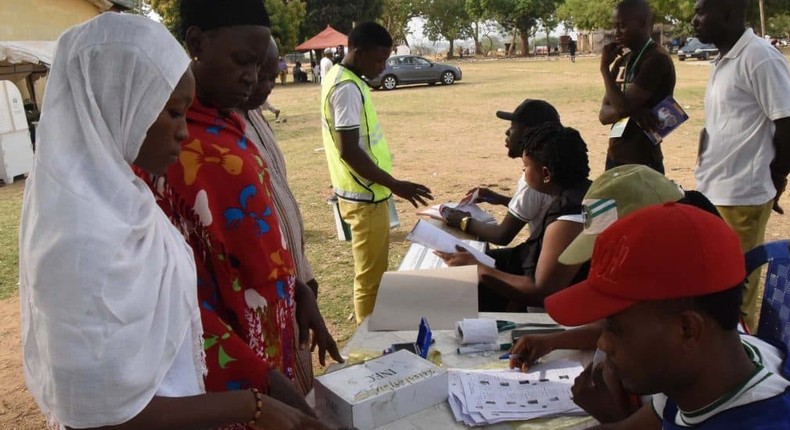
(489, 397)
(433, 237)
(420, 257)
(443, 296)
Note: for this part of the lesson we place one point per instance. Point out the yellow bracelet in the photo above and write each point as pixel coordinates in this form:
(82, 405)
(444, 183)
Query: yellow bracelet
(258, 406)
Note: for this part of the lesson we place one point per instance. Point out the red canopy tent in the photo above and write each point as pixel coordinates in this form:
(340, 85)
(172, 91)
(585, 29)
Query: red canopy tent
(328, 38)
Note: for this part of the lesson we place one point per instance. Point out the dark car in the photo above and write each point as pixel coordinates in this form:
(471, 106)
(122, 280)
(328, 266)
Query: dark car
(696, 49)
(411, 69)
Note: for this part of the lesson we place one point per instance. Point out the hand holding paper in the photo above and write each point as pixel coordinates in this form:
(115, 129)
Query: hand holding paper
(433, 237)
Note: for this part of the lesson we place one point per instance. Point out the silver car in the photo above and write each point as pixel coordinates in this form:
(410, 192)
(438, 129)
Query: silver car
(411, 69)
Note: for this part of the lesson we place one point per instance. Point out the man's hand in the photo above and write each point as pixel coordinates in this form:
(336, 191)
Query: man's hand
(600, 393)
(645, 118)
(460, 258)
(781, 185)
(528, 349)
(453, 217)
(610, 53)
(414, 193)
(308, 316)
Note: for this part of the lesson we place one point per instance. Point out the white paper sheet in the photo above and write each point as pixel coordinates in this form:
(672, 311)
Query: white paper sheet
(435, 238)
(489, 397)
(420, 257)
(444, 296)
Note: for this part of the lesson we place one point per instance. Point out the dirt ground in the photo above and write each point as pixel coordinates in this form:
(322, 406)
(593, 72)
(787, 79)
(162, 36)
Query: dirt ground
(445, 137)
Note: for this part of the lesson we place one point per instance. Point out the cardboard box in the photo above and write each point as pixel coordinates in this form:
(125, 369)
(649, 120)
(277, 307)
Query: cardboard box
(381, 391)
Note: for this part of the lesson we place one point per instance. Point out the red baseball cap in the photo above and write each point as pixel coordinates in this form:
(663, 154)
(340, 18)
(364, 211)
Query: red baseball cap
(659, 252)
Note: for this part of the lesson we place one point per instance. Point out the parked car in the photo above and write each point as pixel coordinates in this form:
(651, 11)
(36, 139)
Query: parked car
(411, 69)
(696, 49)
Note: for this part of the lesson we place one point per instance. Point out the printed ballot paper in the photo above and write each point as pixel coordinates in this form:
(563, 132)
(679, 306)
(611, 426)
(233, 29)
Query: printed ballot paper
(444, 296)
(489, 397)
(381, 390)
(435, 238)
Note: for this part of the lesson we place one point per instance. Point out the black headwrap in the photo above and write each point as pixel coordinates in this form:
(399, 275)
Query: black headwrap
(212, 14)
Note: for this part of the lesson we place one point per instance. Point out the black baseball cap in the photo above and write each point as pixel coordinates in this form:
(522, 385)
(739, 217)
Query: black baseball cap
(531, 113)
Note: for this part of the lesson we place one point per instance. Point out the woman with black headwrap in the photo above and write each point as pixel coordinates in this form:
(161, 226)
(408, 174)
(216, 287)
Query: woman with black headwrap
(219, 194)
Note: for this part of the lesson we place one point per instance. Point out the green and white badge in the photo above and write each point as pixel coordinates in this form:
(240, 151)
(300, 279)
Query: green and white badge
(598, 215)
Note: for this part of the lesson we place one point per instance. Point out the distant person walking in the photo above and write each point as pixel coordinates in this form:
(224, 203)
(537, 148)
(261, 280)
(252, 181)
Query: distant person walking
(283, 66)
(744, 153)
(572, 50)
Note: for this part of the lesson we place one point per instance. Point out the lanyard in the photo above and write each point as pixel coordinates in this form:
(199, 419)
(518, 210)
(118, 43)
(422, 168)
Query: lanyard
(630, 68)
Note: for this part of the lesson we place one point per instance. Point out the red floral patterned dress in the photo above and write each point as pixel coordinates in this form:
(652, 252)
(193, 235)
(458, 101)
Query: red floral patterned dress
(219, 195)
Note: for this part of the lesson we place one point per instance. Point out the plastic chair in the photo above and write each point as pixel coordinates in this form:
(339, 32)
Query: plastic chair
(774, 325)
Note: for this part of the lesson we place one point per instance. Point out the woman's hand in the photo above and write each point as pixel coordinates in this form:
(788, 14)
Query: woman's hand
(453, 217)
(460, 258)
(308, 317)
(276, 415)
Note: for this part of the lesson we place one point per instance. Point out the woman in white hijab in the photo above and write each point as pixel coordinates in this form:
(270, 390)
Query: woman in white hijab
(110, 324)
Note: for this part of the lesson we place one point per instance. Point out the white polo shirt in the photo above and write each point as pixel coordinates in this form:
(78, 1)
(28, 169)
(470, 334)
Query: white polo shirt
(749, 88)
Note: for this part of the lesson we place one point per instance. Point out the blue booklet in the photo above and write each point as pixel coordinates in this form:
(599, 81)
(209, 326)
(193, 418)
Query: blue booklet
(670, 116)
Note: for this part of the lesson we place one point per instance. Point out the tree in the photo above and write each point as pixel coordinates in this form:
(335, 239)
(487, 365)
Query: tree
(779, 25)
(445, 19)
(395, 16)
(168, 10)
(478, 13)
(286, 17)
(587, 15)
(340, 14)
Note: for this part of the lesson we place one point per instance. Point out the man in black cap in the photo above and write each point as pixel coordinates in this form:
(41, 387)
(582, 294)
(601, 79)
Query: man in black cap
(526, 203)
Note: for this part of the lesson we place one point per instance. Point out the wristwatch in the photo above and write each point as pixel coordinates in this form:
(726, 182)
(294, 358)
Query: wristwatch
(464, 223)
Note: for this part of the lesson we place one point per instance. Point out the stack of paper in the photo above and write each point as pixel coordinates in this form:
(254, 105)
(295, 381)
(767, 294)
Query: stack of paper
(490, 397)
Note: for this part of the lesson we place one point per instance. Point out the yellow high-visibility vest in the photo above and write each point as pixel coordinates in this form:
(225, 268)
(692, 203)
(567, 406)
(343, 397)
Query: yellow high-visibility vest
(348, 184)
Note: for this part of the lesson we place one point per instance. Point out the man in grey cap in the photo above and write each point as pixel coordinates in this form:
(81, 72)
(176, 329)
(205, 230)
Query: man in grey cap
(526, 203)
(326, 62)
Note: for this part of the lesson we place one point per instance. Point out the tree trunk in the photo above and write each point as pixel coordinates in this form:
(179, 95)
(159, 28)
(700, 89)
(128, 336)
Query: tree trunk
(450, 52)
(548, 43)
(476, 35)
(512, 50)
(524, 44)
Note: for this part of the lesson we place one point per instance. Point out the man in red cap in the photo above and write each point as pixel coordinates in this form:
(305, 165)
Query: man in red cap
(668, 280)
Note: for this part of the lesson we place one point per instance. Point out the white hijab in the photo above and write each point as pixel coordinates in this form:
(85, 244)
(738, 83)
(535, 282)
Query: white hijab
(107, 285)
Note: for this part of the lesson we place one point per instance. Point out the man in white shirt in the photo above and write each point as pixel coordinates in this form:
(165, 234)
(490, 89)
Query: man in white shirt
(326, 62)
(744, 154)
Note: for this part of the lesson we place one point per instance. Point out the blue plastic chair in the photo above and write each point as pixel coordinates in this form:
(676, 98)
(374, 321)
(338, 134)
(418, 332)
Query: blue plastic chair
(774, 325)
